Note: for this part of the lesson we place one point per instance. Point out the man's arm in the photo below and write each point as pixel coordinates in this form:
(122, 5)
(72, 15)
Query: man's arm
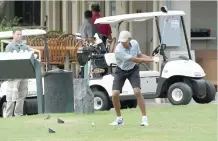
(140, 55)
(127, 57)
(141, 60)
(144, 56)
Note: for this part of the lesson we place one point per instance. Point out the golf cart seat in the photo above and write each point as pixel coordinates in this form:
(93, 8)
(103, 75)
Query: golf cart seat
(110, 60)
(181, 57)
(149, 73)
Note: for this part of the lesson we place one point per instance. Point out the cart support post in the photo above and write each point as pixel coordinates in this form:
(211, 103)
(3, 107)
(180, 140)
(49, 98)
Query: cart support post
(186, 38)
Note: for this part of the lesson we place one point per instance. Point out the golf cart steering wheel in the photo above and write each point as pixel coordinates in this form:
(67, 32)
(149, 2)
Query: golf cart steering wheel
(157, 49)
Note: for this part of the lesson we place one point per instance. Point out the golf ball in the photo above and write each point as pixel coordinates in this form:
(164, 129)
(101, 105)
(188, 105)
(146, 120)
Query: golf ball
(93, 123)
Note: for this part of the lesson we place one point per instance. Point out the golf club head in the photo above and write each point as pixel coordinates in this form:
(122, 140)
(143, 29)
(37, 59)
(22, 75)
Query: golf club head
(164, 9)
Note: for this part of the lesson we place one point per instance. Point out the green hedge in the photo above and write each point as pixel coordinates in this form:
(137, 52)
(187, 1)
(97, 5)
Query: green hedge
(6, 25)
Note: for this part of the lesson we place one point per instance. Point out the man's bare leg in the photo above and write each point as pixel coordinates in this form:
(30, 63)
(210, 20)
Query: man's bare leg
(140, 101)
(141, 105)
(116, 102)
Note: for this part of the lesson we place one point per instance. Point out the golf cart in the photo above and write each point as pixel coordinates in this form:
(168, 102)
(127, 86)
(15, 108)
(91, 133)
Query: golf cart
(30, 104)
(179, 79)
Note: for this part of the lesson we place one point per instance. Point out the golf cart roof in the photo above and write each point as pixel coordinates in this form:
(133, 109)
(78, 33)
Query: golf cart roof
(25, 32)
(136, 17)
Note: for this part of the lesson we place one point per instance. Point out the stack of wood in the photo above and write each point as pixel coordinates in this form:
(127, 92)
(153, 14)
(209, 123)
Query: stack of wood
(207, 59)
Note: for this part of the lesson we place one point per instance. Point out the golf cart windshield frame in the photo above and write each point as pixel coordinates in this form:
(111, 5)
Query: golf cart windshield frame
(117, 20)
(184, 31)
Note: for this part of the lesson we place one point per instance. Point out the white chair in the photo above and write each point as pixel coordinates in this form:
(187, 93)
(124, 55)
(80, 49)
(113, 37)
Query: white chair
(110, 59)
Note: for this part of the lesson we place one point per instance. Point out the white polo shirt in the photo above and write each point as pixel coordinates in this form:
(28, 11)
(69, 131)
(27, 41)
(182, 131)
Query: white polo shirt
(124, 54)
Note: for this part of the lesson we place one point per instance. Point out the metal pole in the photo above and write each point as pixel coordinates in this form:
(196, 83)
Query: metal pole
(47, 54)
(82, 72)
(39, 87)
(86, 73)
(155, 36)
(118, 31)
(186, 38)
(158, 28)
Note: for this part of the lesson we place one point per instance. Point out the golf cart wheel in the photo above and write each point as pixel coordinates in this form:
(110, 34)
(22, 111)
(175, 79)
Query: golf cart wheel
(179, 93)
(128, 104)
(123, 105)
(132, 104)
(210, 94)
(101, 101)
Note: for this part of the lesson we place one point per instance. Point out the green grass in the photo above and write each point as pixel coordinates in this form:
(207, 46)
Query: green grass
(171, 123)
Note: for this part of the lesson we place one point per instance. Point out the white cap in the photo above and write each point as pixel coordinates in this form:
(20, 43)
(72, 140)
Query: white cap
(124, 36)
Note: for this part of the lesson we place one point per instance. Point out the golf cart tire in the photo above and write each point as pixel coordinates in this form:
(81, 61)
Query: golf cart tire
(128, 104)
(30, 106)
(132, 104)
(186, 90)
(210, 94)
(104, 98)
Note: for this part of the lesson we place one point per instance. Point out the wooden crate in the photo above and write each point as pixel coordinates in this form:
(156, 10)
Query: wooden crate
(207, 59)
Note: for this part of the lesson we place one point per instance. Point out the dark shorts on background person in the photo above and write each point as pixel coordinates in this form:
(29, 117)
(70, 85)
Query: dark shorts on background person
(120, 77)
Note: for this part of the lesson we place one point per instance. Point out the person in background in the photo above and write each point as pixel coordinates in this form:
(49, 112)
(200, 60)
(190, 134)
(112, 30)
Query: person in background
(103, 29)
(88, 30)
(17, 89)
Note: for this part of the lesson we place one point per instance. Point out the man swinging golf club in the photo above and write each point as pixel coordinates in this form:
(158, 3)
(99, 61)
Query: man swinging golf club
(128, 55)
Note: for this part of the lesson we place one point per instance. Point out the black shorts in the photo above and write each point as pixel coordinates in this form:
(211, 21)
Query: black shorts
(121, 76)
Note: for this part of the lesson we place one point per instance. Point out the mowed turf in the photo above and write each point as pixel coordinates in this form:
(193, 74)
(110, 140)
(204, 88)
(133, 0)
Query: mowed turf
(170, 123)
